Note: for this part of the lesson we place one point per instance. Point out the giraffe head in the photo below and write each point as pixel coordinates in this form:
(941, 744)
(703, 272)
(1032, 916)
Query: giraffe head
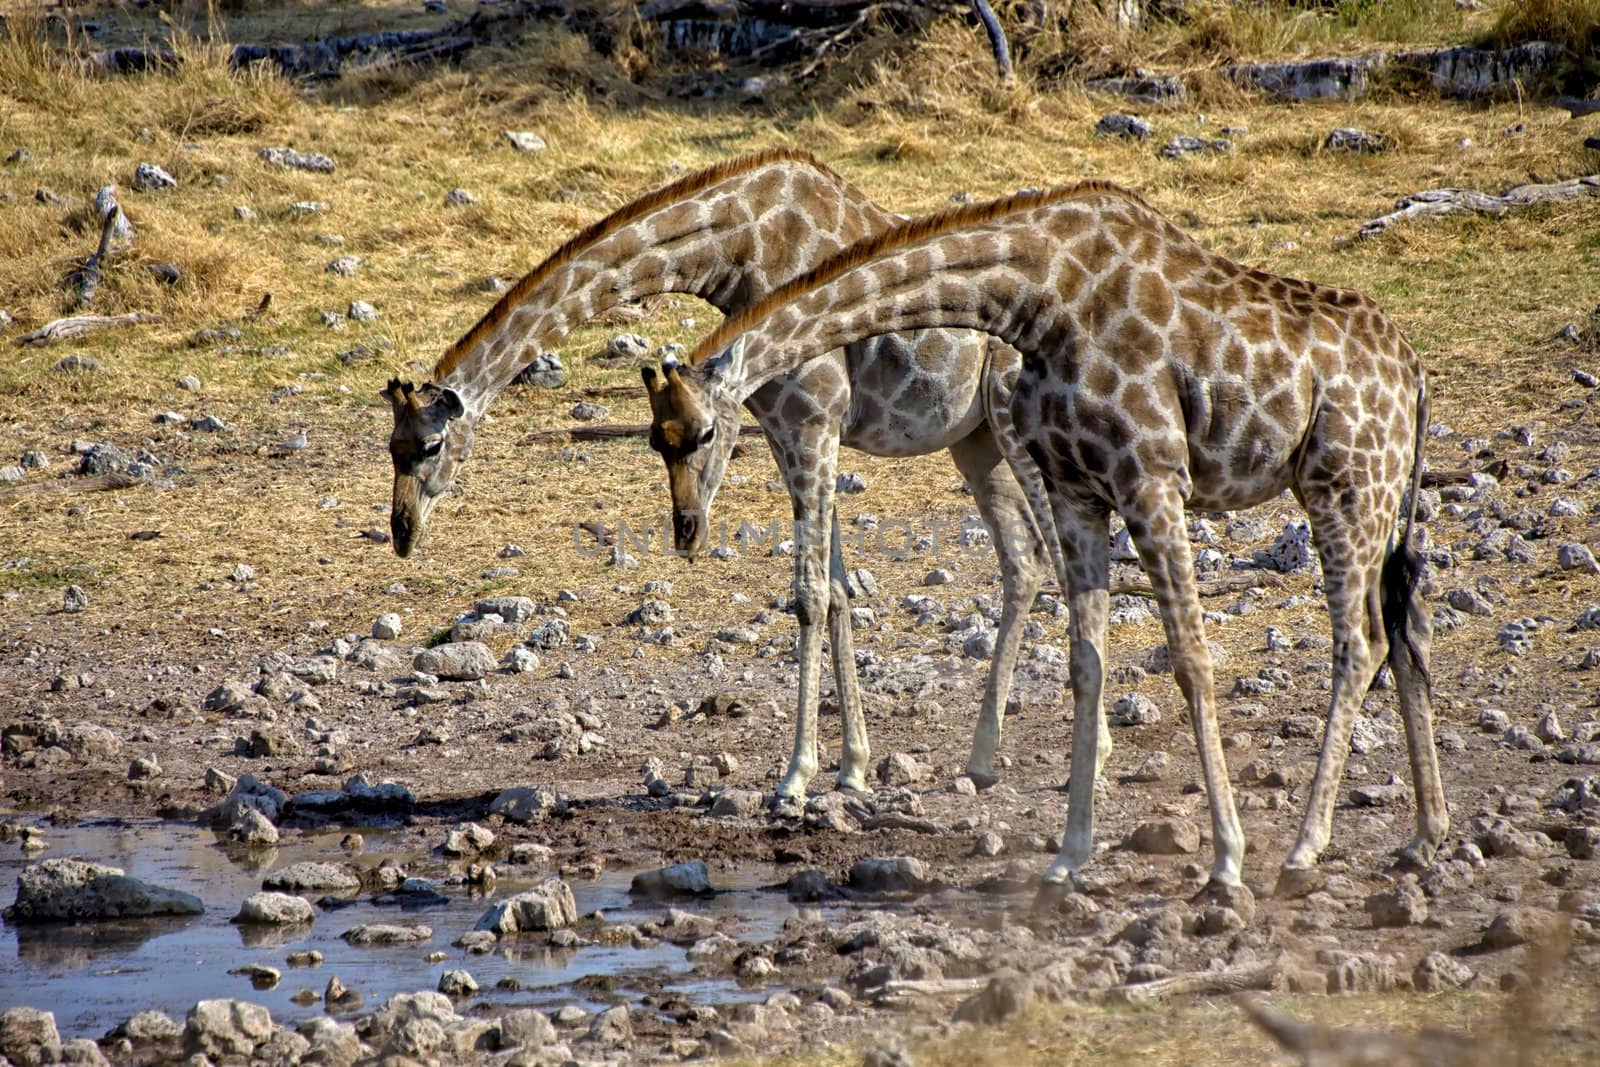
(694, 424)
(431, 439)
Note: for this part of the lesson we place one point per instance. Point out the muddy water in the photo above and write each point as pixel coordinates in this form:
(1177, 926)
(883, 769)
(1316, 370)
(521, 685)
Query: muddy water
(96, 975)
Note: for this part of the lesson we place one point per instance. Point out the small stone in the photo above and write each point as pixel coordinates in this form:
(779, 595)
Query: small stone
(224, 1028)
(899, 769)
(387, 626)
(315, 162)
(677, 879)
(24, 1030)
(1117, 124)
(244, 213)
(549, 907)
(1134, 709)
(468, 840)
(898, 874)
(1153, 769)
(302, 877)
(1345, 139)
(989, 844)
(457, 661)
(524, 141)
(588, 411)
(189, 383)
(1184, 145)
(456, 984)
(1165, 837)
(278, 909)
(144, 768)
(1438, 973)
(459, 198)
(361, 311)
(1404, 905)
(525, 804)
(1576, 557)
(1549, 728)
(344, 267)
(1517, 926)
(386, 934)
(850, 482)
(74, 599)
(149, 178)
(260, 975)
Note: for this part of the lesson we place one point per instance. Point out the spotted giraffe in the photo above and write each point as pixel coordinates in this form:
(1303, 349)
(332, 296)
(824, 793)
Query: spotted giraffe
(1157, 376)
(729, 235)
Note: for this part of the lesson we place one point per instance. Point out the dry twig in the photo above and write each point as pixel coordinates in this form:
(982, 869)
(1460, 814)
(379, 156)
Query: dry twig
(76, 326)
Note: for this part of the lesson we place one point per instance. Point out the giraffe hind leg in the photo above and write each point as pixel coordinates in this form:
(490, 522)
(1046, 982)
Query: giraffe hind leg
(1410, 632)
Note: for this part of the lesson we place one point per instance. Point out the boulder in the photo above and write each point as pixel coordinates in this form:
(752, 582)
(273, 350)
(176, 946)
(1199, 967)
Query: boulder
(549, 907)
(678, 879)
(1165, 837)
(218, 1028)
(283, 909)
(898, 874)
(23, 1030)
(524, 804)
(303, 877)
(457, 661)
(386, 934)
(72, 889)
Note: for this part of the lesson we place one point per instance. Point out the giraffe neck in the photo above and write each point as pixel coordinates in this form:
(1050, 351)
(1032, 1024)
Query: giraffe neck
(961, 280)
(728, 244)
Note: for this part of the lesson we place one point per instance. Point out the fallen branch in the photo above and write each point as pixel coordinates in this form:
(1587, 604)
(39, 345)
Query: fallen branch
(1453, 201)
(903, 990)
(78, 325)
(86, 279)
(608, 432)
(1462, 475)
(1578, 108)
(895, 821)
(1203, 983)
(997, 40)
(1318, 1044)
(98, 483)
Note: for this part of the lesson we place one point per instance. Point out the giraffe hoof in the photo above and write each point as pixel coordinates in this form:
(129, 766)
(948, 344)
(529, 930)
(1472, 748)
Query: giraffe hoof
(1237, 897)
(1296, 882)
(1417, 856)
(984, 780)
(855, 783)
(1052, 895)
(786, 807)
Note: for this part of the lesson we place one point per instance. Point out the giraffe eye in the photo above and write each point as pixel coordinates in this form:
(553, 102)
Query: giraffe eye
(710, 432)
(432, 444)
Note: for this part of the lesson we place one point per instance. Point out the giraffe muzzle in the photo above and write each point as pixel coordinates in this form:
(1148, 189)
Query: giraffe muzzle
(688, 533)
(407, 523)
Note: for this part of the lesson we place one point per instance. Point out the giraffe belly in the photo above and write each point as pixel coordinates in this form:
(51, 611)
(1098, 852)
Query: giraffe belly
(913, 394)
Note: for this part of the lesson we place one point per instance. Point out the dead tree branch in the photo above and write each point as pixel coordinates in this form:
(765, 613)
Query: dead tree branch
(78, 325)
(1205, 983)
(1452, 201)
(997, 40)
(86, 279)
(1317, 1044)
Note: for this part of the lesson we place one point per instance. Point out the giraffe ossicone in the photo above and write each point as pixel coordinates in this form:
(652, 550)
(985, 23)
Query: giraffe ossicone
(1158, 376)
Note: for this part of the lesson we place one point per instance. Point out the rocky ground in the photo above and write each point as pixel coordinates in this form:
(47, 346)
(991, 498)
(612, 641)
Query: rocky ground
(625, 758)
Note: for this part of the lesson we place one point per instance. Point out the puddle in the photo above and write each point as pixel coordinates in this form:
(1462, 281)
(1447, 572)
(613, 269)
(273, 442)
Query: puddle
(93, 976)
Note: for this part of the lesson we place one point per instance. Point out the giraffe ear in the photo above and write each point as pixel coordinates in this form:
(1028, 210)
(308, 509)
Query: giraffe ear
(724, 372)
(448, 399)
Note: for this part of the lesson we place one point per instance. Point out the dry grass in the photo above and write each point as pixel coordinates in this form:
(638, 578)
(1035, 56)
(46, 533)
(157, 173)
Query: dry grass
(1476, 296)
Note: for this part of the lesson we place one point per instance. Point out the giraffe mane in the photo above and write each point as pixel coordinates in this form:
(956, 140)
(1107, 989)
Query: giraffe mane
(898, 237)
(605, 227)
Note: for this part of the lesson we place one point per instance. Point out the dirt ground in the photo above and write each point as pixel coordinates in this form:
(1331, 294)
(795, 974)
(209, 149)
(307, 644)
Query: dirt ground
(231, 563)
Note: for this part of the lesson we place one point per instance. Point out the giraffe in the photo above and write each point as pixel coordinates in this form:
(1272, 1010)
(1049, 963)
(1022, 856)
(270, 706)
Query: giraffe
(1156, 376)
(730, 234)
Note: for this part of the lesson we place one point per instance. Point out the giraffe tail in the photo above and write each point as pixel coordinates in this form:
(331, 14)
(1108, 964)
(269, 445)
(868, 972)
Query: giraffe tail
(1402, 570)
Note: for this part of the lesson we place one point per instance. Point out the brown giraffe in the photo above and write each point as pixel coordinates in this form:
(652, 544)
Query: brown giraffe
(731, 234)
(1156, 376)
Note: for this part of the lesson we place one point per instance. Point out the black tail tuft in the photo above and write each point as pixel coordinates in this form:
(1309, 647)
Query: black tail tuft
(1401, 573)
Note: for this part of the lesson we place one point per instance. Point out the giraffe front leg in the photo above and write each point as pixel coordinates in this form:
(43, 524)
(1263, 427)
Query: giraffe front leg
(1024, 562)
(857, 754)
(1085, 546)
(813, 501)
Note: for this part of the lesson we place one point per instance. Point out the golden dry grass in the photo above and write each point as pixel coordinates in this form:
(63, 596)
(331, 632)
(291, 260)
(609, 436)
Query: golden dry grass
(1478, 297)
